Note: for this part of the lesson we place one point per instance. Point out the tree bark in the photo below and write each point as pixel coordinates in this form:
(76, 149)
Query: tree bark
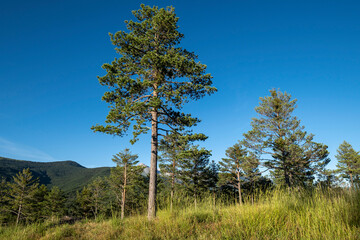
(351, 181)
(18, 214)
(172, 186)
(239, 185)
(287, 178)
(195, 203)
(123, 194)
(153, 165)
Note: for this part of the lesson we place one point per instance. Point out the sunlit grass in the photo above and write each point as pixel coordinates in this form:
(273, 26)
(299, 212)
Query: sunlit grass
(318, 214)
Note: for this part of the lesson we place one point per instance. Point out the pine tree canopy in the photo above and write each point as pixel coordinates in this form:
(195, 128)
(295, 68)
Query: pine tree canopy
(125, 157)
(348, 163)
(286, 149)
(152, 74)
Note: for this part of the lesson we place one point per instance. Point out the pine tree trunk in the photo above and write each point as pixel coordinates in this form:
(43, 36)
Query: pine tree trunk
(214, 199)
(18, 214)
(172, 186)
(153, 166)
(351, 182)
(239, 186)
(287, 179)
(195, 201)
(123, 194)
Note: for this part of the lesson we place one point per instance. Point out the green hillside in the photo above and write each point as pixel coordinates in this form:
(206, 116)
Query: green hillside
(67, 175)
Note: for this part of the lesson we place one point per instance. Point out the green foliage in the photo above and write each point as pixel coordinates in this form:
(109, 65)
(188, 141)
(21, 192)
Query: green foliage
(151, 81)
(194, 173)
(22, 194)
(55, 202)
(69, 176)
(38, 204)
(153, 74)
(4, 201)
(286, 149)
(348, 163)
(127, 182)
(92, 198)
(173, 148)
(240, 166)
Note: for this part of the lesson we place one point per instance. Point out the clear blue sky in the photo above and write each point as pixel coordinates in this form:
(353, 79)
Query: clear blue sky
(51, 53)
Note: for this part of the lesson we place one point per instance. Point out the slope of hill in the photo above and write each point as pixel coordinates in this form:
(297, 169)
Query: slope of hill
(67, 175)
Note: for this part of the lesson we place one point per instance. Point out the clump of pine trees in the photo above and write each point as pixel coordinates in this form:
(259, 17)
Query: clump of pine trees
(24, 201)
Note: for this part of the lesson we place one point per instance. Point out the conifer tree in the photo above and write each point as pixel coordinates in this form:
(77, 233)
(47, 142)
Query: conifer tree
(4, 201)
(92, 198)
(97, 189)
(172, 147)
(151, 81)
(21, 192)
(38, 204)
(348, 163)
(125, 175)
(212, 178)
(239, 166)
(55, 202)
(194, 171)
(85, 202)
(286, 149)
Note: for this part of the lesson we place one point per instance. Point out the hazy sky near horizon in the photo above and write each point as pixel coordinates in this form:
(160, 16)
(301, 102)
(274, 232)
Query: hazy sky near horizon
(52, 52)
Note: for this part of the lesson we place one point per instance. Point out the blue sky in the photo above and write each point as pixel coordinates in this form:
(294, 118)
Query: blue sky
(52, 52)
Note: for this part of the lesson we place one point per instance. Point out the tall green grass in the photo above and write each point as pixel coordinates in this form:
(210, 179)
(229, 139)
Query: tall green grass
(331, 214)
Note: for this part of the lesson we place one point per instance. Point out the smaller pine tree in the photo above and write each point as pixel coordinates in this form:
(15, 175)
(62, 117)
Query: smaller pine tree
(21, 192)
(194, 171)
(348, 163)
(239, 166)
(172, 148)
(55, 202)
(125, 176)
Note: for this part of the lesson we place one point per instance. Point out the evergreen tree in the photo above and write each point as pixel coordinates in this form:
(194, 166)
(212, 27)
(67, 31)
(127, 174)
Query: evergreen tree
(194, 171)
(98, 195)
(85, 202)
(287, 150)
(212, 178)
(55, 202)
(21, 192)
(92, 198)
(151, 81)
(4, 201)
(348, 163)
(172, 148)
(124, 175)
(38, 204)
(239, 166)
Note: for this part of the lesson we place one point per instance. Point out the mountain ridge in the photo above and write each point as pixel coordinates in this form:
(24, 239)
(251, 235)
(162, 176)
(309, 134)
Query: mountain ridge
(68, 175)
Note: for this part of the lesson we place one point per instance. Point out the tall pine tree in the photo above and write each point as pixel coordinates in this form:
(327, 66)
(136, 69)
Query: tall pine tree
(286, 149)
(151, 81)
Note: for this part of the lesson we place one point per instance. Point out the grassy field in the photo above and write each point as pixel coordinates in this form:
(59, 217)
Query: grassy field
(277, 215)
